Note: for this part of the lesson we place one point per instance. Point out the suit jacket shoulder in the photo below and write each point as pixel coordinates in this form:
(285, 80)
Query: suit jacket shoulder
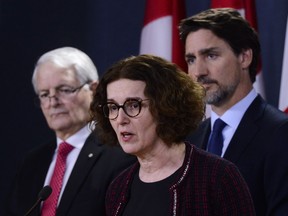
(29, 179)
(259, 149)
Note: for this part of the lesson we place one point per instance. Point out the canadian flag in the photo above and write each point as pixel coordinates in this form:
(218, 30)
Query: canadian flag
(247, 9)
(283, 99)
(160, 34)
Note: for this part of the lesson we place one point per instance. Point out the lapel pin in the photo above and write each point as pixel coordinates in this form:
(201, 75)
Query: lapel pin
(90, 155)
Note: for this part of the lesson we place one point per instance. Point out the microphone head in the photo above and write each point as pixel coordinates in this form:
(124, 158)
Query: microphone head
(45, 193)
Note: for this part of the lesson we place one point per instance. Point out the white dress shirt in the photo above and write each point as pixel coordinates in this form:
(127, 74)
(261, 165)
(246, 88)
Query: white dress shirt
(232, 118)
(77, 140)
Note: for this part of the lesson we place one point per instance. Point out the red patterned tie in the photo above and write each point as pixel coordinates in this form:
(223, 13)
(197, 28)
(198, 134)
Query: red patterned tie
(50, 205)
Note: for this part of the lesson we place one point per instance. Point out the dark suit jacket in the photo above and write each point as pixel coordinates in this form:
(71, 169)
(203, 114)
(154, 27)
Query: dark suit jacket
(259, 148)
(85, 190)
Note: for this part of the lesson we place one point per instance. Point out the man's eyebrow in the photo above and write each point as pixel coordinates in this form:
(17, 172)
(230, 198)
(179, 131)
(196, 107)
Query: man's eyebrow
(203, 52)
(189, 55)
(208, 50)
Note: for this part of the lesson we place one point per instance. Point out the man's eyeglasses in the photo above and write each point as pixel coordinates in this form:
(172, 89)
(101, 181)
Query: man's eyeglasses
(62, 92)
(131, 107)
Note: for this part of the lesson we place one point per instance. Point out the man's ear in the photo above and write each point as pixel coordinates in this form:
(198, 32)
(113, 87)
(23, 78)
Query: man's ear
(246, 58)
(93, 85)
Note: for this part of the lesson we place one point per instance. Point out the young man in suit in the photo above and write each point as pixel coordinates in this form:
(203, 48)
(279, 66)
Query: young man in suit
(64, 80)
(221, 51)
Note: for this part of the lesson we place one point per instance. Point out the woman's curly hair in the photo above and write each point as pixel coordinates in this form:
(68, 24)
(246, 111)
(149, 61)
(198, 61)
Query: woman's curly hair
(175, 101)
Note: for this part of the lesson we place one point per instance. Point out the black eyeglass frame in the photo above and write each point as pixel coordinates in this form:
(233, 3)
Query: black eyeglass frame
(106, 112)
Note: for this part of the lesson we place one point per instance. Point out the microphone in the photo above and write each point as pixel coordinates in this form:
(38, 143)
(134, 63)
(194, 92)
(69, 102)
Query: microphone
(43, 195)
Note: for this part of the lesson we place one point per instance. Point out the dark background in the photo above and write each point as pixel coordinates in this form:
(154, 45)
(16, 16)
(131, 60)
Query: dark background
(107, 30)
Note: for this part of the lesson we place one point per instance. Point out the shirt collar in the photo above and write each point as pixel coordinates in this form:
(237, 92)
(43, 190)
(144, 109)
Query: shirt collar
(233, 116)
(78, 139)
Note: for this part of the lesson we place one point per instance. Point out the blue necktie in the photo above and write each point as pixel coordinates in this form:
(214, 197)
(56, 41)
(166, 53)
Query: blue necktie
(216, 140)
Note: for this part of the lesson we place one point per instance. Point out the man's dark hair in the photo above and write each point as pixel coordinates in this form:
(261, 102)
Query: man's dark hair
(229, 25)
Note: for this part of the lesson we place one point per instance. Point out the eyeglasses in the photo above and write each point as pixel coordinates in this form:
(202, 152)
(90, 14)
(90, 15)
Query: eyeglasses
(62, 92)
(131, 107)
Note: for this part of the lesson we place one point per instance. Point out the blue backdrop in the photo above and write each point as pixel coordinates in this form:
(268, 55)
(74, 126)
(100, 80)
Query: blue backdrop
(107, 30)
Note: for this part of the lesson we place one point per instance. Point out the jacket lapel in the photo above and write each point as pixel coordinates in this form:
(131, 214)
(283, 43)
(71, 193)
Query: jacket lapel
(87, 158)
(246, 131)
(204, 137)
(201, 135)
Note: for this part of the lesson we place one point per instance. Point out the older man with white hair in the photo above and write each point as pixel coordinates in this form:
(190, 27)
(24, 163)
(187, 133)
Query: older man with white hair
(75, 165)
